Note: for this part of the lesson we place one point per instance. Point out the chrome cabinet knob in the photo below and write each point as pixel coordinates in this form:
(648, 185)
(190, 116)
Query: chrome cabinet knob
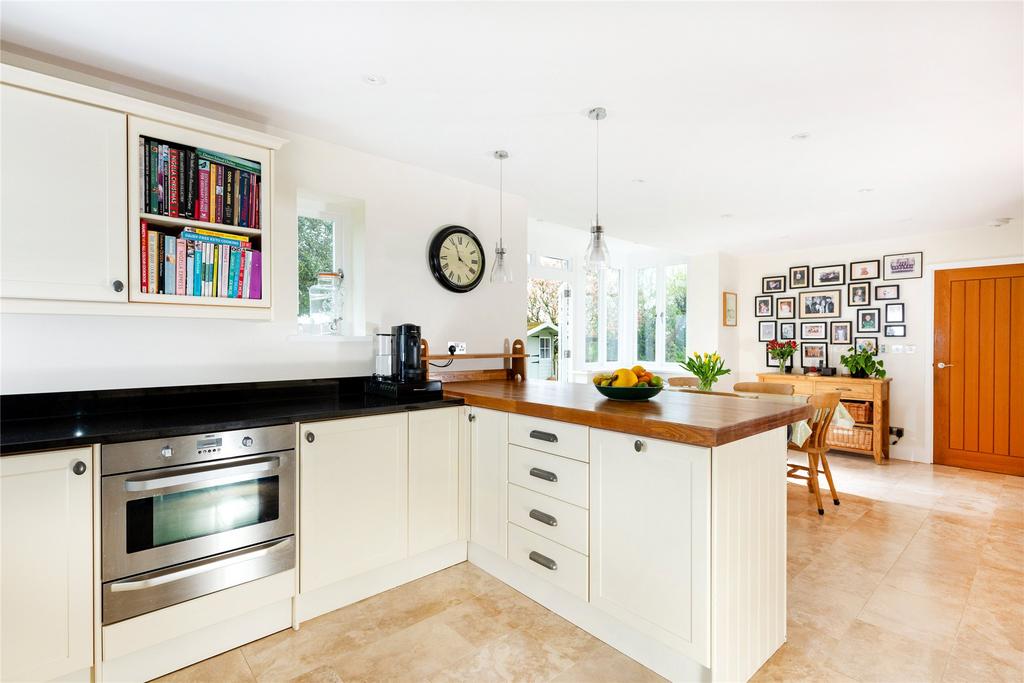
(246, 441)
(943, 366)
(117, 285)
(310, 437)
(472, 417)
(167, 451)
(78, 468)
(638, 445)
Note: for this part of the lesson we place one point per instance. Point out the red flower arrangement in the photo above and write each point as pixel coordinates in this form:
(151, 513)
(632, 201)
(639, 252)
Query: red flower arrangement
(781, 350)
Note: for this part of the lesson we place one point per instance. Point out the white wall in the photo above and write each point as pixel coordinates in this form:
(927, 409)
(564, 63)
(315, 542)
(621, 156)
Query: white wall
(404, 206)
(910, 398)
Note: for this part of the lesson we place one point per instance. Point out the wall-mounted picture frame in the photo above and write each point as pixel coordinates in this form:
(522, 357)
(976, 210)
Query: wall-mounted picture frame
(763, 307)
(785, 307)
(904, 266)
(870, 343)
(730, 309)
(773, 284)
(828, 276)
(842, 332)
(813, 354)
(814, 330)
(858, 294)
(894, 313)
(895, 330)
(869, 320)
(787, 331)
(821, 303)
(766, 330)
(864, 270)
(799, 277)
(887, 292)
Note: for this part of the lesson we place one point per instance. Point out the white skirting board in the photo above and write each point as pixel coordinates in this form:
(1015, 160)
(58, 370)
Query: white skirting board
(342, 593)
(644, 649)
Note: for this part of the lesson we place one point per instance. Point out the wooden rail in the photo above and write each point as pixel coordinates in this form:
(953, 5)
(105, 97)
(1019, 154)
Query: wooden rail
(513, 364)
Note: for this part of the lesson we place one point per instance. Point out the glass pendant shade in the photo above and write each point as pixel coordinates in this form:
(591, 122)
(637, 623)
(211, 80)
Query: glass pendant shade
(596, 256)
(500, 273)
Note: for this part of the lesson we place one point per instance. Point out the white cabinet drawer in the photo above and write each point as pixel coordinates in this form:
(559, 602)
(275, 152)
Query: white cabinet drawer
(549, 474)
(565, 568)
(551, 436)
(551, 518)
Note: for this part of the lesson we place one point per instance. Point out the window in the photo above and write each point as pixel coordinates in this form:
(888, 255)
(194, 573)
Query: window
(611, 318)
(675, 314)
(646, 314)
(552, 262)
(661, 314)
(602, 315)
(316, 255)
(545, 347)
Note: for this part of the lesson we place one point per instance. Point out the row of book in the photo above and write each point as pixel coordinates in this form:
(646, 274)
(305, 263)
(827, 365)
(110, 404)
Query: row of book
(199, 184)
(200, 263)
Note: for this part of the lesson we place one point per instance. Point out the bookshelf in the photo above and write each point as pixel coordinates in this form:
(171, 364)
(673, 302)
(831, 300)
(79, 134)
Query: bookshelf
(258, 236)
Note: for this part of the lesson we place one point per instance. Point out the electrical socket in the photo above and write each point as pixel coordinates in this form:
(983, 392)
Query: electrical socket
(896, 431)
(460, 347)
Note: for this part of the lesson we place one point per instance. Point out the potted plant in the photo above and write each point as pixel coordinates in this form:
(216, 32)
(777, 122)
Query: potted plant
(706, 368)
(862, 364)
(782, 351)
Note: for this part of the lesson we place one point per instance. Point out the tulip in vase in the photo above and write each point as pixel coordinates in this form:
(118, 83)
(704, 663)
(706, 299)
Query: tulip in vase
(707, 368)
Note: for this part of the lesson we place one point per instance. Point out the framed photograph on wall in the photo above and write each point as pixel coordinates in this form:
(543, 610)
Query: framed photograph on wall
(823, 303)
(869, 320)
(773, 284)
(763, 306)
(814, 330)
(823, 276)
(766, 330)
(768, 360)
(787, 331)
(903, 266)
(730, 304)
(895, 330)
(887, 292)
(785, 307)
(894, 313)
(813, 354)
(842, 332)
(858, 294)
(799, 277)
(864, 270)
(870, 343)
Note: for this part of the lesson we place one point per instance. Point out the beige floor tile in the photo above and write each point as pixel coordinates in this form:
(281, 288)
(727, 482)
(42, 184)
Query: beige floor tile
(995, 588)
(931, 620)
(1003, 555)
(827, 611)
(869, 653)
(605, 664)
(967, 665)
(229, 667)
(414, 653)
(926, 580)
(997, 632)
(323, 674)
(793, 664)
(516, 656)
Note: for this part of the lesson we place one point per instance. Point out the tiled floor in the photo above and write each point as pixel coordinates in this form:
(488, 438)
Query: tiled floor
(917, 576)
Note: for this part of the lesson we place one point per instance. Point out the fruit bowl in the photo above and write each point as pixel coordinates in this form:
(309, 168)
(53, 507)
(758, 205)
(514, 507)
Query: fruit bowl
(628, 393)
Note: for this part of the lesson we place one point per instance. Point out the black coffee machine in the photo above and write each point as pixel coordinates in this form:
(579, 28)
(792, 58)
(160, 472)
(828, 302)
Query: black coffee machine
(406, 362)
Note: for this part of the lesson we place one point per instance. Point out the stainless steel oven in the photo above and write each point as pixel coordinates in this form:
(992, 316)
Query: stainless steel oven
(190, 515)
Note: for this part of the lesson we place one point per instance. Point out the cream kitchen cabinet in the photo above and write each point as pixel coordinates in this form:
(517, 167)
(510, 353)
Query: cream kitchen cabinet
(46, 565)
(488, 444)
(433, 478)
(63, 199)
(353, 497)
(650, 552)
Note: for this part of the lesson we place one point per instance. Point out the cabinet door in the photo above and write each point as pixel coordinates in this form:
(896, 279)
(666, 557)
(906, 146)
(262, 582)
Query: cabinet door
(433, 478)
(488, 435)
(650, 552)
(353, 497)
(46, 565)
(63, 196)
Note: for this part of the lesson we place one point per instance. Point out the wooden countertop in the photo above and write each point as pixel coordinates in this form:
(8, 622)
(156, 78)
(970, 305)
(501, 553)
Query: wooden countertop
(691, 418)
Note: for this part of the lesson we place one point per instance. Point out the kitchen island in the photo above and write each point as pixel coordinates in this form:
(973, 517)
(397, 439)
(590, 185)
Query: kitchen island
(659, 526)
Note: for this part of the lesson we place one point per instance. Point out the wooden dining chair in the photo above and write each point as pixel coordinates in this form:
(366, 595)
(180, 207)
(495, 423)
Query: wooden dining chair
(764, 388)
(824, 405)
(683, 382)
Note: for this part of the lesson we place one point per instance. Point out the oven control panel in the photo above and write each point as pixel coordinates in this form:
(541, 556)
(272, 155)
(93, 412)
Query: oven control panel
(211, 445)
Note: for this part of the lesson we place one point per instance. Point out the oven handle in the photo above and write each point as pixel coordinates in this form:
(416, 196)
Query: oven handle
(208, 475)
(209, 566)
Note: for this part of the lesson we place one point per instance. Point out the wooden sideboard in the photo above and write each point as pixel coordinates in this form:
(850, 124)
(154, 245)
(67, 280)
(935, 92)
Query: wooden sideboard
(859, 395)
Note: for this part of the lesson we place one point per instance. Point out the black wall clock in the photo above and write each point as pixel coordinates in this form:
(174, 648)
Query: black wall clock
(456, 258)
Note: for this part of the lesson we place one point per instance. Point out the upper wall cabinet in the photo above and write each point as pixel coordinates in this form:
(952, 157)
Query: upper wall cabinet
(64, 183)
(112, 205)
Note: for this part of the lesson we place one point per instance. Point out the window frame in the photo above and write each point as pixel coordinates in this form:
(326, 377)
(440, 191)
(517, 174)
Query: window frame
(602, 317)
(660, 310)
(541, 347)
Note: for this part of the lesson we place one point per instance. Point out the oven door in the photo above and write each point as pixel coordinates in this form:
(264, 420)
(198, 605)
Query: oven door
(157, 518)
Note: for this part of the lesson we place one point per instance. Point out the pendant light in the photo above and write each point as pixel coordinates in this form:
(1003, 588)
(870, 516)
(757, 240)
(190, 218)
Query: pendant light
(500, 272)
(596, 256)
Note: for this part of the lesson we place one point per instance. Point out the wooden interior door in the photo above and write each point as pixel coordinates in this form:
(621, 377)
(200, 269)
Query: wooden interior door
(979, 368)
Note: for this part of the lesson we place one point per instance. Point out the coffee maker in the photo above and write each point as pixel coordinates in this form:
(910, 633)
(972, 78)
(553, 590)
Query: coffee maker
(406, 364)
(407, 380)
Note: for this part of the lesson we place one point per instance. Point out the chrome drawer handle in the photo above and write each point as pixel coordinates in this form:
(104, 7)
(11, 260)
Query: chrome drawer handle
(543, 560)
(544, 436)
(543, 518)
(543, 474)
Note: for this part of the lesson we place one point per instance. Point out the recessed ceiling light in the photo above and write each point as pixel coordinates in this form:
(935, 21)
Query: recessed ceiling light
(800, 136)
(374, 79)
(639, 180)
(726, 215)
(866, 189)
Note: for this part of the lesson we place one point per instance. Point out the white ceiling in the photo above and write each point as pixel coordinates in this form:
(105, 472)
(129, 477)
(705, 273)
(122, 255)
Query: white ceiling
(922, 102)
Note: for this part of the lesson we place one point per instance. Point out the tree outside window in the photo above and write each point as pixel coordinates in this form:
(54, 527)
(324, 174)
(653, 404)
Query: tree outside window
(316, 255)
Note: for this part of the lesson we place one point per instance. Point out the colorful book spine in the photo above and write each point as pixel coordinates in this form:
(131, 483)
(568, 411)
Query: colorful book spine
(243, 259)
(233, 273)
(180, 273)
(164, 173)
(222, 235)
(256, 283)
(228, 160)
(190, 183)
(229, 196)
(220, 194)
(190, 258)
(144, 246)
(153, 171)
(170, 255)
(144, 180)
(213, 193)
(154, 240)
(203, 201)
(200, 237)
(172, 183)
(243, 200)
(208, 270)
(225, 271)
(197, 269)
(161, 245)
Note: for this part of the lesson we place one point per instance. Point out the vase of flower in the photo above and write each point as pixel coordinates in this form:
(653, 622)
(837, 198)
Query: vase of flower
(782, 351)
(707, 368)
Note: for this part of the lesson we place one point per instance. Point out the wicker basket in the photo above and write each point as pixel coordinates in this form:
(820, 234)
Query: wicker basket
(854, 437)
(860, 412)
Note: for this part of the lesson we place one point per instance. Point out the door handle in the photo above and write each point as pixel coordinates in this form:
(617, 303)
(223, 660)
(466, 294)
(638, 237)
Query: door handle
(543, 517)
(544, 436)
(221, 474)
(543, 560)
(543, 474)
(943, 366)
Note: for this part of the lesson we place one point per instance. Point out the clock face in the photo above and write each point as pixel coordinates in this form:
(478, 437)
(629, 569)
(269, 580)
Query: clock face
(457, 259)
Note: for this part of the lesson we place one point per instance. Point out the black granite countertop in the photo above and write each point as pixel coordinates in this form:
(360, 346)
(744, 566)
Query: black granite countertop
(34, 422)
